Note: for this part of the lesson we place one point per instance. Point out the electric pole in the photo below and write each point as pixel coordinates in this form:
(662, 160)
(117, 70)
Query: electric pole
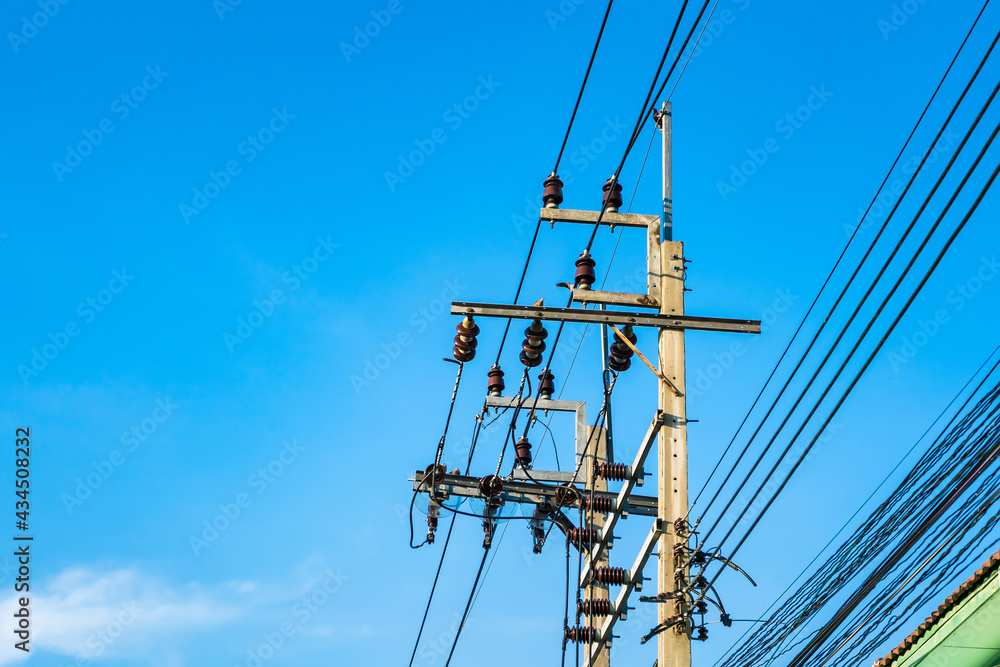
(586, 488)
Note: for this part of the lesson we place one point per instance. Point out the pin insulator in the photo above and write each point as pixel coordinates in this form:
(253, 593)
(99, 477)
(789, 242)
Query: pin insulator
(580, 634)
(620, 354)
(615, 576)
(552, 196)
(566, 495)
(534, 344)
(523, 449)
(595, 607)
(614, 471)
(702, 633)
(585, 275)
(701, 607)
(681, 526)
(434, 475)
(546, 385)
(495, 385)
(465, 340)
(490, 486)
(612, 196)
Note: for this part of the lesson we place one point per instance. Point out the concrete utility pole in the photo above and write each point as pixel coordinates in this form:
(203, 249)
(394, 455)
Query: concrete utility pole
(554, 491)
(674, 646)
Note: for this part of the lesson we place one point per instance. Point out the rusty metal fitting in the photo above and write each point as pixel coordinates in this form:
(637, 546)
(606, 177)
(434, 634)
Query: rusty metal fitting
(585, 275)
(612, 196)
(552, 195)
(546, 385)
(523, 449)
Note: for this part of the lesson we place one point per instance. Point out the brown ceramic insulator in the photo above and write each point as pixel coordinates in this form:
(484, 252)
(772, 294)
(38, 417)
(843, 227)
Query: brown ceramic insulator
(463, 354)
(468, 327)
(552, 196)
(579, 634)
(614, 471)
(434, 475)
(490, 486)
(530, 362)
(619, 365)
(596, 607)
(495, 384)
(582, 537)
(533, 346)
(602, 504)
(536, 330)
(614, 576)
(585, 275)
(627, 330)
(464, 343)
(566, 495)
(523, 449)
(612, 197)
(546, 385)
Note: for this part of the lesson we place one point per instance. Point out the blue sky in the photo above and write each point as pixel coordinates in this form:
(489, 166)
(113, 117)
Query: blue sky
(226, 278)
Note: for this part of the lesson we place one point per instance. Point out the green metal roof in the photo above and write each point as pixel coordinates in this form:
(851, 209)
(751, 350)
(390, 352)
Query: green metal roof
(963, 632)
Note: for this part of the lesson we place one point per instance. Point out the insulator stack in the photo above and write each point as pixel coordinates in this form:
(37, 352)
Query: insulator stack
(612, 196)
(701, 607)
(490, 486)
(602, 504)
(465, 340)
(702, 633)
(495, 385)
(534, 344)
(614, 472)
(613, 576)
(552, 196)
(523, 449)
(566, 496)
(583, 536)
(546, 385)
(585, 275)
(596, 607)
(620, 355)
(579, 634)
